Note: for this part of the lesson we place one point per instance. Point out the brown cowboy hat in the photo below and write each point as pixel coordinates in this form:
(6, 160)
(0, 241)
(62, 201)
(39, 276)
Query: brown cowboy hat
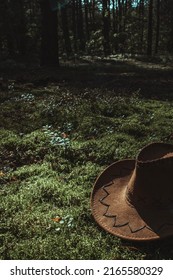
(133, 199)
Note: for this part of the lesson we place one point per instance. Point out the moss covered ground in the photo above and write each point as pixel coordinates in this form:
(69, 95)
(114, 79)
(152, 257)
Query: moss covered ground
(54, 141)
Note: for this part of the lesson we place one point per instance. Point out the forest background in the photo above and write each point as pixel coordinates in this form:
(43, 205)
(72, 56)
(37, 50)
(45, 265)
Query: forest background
(50, 29)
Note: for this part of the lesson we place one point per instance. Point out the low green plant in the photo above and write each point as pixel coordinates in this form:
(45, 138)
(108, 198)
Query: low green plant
(53, 145)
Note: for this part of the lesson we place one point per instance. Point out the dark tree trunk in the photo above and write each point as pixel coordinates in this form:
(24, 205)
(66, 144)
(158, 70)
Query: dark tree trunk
(141, 24)
(157, 27)
(113, 16)
(22, 30)
(80, 28)
(150, 28)
(170, 40)
(93, 13)
(86, 20)
(74, 25)
(66, 30)
(49, 40)
(125, 13)
(106, 27)
(170, 49)
(120, 14)
(8, 28)
(10, 44)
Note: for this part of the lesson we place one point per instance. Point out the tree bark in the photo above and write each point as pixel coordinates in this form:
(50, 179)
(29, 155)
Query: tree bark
(86, 20)
(106, 27)
(93, 13)
(22, 29)
(120, 16)
(150, 28)
(141, 24)
(80, 29)
(66, 30)
(157, 27)
(49, 38)
(113, 16)
(74, 25)
(170, 41)
(8, 28)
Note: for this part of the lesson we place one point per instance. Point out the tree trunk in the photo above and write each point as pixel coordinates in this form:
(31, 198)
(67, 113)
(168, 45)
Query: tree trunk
(66, 30)
(170, 40)
(80, 29)
(157, 27)
(150, 28)
(113, 16)
(86, 20)
(74, 25)
(49, 40)
(125, 13)
(93, 13)
(106, 27)
(119, 16)
(8, 28)
(22, 29)
(141, 24)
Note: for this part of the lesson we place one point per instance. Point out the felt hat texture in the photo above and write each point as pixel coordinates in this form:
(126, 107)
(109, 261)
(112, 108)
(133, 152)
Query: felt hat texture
(133, 198)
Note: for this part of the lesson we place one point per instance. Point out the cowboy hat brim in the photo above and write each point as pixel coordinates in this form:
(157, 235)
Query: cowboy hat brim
(113, 212)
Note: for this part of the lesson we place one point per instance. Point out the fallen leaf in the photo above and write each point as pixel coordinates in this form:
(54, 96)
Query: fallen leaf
(2, 174)
(64, 135)
(56, 219)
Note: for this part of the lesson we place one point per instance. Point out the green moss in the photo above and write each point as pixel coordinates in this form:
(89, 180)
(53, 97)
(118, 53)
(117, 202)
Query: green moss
(43, 177)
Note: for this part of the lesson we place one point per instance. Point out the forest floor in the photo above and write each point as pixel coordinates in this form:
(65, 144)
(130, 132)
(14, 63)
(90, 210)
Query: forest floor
(59, 129)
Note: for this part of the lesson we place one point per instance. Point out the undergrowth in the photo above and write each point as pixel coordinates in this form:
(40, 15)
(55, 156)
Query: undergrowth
(53, 145)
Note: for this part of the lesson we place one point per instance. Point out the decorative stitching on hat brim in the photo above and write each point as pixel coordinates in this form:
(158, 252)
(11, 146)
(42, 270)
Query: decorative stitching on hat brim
(129, 237)
(115, 216)
(150, 236)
